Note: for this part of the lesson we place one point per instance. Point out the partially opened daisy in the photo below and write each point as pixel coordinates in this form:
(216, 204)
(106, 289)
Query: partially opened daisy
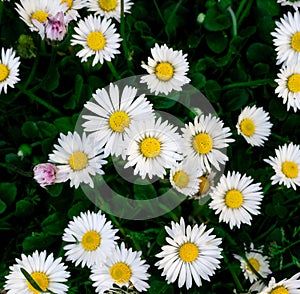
(167, 70)
(98, 38)
(48, 273)
(236, 199)
(122, 268)
(206, 184)
(286, 165)
(294, 3)
(254, 125)
(90, 239)
(109, 8)
(113, 113)
(152, 147)
(204, 141)
(192, 254)
(289, 86)
(79, 158)
(9, 69)
(73, 6)
(285, 286)
(287, 39)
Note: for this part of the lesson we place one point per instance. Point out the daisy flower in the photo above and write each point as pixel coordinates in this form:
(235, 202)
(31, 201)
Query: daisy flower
(167, 70)
(49, 274)
(124, 268)
(192, 254)
(108, 8)
(152, 146)
(294, 3)
(289, 86)
(9, 69)
(254, 125)
(203, 140)
(90, 238)
(286, 165)
(114, 113)
(236, 199)
(33, 12)
(72, 7)
(79, 159)
(285, 286)
(97, 37)
(287, 39)
(185, 177)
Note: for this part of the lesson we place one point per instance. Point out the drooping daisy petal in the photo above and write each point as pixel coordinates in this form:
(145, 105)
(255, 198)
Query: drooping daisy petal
(286, 165)
(294, 3)
(90, 239)
(207, 182)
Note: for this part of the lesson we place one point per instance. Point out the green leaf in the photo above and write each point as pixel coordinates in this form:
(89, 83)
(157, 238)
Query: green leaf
(261, 69)
(268, 7)
(77, 208)
(217, 20)
(30, 129)
(259, 53)
(2, 206)
(74, 99)
(55, 190)
(278, 109)
(39, 241)
(217, 41)
(8, 192)
(235, 99)
(143, 189)
(64, 124)
(163, 102)
(212, 90)
(51, 80)
(198, 80)
(23, 208)
(142, 27)
(54, 224)
(47, 130)
(281, 211)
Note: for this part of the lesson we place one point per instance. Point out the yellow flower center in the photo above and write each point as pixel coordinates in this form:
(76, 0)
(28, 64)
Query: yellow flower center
(164, 71)
(234, 198)
(120, 272)
(78, 160)
(255, 264)
(150, 147)
(296, 42)
(247, 127)
(91, 240)
(96, 41)
(203, 143)
(69, 2)
(4, 72)
(290, 169)
(188, 252)
(42, 281)
(40, 16)
(280, 290)
(181, 179)
(204, 185)
(108, 5)
(118, 121)
(293, 83)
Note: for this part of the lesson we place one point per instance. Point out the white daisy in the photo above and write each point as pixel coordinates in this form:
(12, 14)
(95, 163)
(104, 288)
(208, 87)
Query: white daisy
(73, 6)
(9, 69)
(192, 254)
(90, 239)
(167, 70)
(32, 11)
(79, 159)
(48, 273)
(204, 140)
(97, 37)
(115, 112)
(109, 8)
(254, 125)
(285, 286)
(286, 165)
(236, 199)
(294, 3)
(289, 86)
(124, 268)
(151, 147)
(185, 177)
(287, 39)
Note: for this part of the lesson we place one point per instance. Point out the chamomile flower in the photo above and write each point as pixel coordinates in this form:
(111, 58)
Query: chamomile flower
(114, 113)
(285, 286)
(98, 38)
(167, 70)
(108, 8)
(90, 239)
(78, 157)
(289, 86)
(236, 199)
(294, 3)
(9, 69)
(49, 274)
(152, 147)
(192, 254)
(204, 141)
(286, 165)
(287, 39)
(124, 268)
(73, 6)
(254, 125)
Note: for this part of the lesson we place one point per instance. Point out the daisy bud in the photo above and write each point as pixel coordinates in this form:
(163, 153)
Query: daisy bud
(45, 174)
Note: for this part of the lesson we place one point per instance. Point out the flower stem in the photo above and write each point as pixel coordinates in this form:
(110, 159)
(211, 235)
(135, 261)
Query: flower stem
(255, 83)
(233, 19)
(113, 70)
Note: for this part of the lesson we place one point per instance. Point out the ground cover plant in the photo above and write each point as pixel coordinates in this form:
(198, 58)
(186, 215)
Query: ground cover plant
(149, 146)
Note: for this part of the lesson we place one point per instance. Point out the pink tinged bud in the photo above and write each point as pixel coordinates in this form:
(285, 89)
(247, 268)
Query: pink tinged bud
(56, 26)
(45, 174)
